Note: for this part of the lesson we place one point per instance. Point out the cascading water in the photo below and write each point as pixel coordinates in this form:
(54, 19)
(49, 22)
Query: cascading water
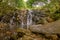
(22, 22)
(11, 22)
(29, 18)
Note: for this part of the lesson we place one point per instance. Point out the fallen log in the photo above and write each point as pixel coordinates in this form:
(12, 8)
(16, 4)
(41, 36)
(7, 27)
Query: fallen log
(53, 27)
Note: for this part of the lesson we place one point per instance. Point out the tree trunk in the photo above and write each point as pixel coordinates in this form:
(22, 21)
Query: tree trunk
(53, 27)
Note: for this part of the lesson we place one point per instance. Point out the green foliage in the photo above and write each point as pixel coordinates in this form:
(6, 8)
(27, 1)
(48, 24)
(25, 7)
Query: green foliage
(52, 9)
(56, 15)
(4, 8)
(30, 2)
(20, 3)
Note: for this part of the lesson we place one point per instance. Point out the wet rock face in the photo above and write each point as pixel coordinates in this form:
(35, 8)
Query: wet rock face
(39, 17)
(20, 18)
(13, 17)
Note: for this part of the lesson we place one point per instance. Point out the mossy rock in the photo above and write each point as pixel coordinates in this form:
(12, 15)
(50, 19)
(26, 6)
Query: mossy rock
(26, 32)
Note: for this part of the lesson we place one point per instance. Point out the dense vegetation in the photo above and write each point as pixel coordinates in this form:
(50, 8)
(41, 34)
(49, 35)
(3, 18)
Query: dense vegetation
(17, 11)
(51, 9)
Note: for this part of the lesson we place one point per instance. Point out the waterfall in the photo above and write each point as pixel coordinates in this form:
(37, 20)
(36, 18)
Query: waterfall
(48, 1)
(22, 22)
(11, 22)
(29, 18)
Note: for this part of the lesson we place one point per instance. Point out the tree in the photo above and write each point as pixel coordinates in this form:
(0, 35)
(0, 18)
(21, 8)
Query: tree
(53, 9)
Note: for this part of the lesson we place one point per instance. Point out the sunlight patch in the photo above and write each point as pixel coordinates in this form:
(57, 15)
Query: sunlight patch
(25, 0)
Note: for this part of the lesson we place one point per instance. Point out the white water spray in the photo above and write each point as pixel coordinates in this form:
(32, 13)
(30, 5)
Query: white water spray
(29, 19)
(48, 1)
(25, 0)
(11, 22)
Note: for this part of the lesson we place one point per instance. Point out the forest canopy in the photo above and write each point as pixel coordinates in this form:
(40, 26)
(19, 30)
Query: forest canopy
(52, 8)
